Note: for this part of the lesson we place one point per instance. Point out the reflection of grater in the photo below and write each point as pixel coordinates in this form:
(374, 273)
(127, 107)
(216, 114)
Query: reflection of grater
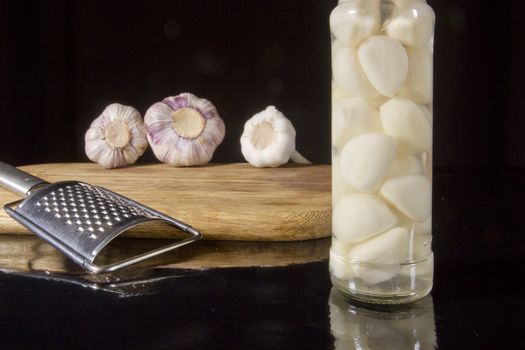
(81, 219)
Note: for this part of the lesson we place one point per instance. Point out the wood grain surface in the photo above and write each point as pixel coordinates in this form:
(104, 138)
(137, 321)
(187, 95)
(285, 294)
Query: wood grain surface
(223, 201)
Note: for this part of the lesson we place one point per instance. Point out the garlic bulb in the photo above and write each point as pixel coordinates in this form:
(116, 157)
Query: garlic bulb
(117, 137)
(268, 140)
(184, 130)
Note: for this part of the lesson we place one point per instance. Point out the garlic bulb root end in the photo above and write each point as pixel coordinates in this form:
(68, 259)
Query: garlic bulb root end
(268, 140)
(117, 137)
(184, 130)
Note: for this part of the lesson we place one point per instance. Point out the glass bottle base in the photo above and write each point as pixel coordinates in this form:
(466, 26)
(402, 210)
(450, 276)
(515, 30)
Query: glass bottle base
(393, 298)
(412, 283)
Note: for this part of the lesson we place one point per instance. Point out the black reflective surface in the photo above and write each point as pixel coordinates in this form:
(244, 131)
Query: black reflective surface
(476, 303)
(276, 308)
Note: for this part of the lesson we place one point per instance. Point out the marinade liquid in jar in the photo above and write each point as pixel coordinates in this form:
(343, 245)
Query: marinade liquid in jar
(382, 70)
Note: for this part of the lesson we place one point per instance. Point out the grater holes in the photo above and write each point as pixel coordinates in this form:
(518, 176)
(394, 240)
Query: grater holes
(87, 210)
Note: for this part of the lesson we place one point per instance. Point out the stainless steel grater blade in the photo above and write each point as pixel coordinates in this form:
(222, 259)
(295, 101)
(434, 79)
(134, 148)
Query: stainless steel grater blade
(80, 219)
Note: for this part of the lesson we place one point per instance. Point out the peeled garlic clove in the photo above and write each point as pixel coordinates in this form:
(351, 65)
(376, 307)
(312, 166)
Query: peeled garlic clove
(411, 195)
(421, 228)
(360, 216)
(403, 4)
(352, 22)
(338, 93)
(339, 187)
(341, 248)
(353, 116)
(404, 164)
(390, 247)
(418, 83)
(380, 258)
(413, 25)
(384, 62)
(374, 274)
(339, 261)
(184, 130)
(414, 227)
(408, 124)
(340, 266)
(117, 137)
(349, 76)
(268, 140)
(365, 159)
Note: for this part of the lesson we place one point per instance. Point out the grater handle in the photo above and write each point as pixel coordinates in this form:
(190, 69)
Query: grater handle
(18, 181)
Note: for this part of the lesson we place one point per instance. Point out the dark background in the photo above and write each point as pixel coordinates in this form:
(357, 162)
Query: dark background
(62, 62)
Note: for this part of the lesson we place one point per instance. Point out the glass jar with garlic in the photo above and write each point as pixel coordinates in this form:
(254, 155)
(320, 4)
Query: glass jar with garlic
(382, 68)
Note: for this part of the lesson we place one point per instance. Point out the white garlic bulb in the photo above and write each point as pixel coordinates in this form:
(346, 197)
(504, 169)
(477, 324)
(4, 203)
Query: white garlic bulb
(184, 130)
(117, 137)
(268, 140)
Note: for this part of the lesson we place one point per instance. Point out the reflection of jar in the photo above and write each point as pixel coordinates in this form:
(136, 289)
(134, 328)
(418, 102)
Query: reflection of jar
(400, 327)
(382, 68)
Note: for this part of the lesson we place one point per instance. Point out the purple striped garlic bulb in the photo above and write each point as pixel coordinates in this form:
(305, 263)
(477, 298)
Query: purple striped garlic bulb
(117, 137)
(184, 130)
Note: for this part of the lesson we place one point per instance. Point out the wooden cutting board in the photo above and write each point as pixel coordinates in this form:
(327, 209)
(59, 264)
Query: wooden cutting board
(223, 201)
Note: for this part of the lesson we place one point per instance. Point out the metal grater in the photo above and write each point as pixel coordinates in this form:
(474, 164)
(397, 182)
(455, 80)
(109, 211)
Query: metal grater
(80, 219)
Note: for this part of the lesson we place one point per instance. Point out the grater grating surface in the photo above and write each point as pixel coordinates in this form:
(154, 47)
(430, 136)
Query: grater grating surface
(89, 215)
(81, 219)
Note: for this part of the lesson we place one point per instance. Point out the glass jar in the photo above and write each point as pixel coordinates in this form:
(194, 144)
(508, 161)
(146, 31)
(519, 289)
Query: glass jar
(382, 68)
